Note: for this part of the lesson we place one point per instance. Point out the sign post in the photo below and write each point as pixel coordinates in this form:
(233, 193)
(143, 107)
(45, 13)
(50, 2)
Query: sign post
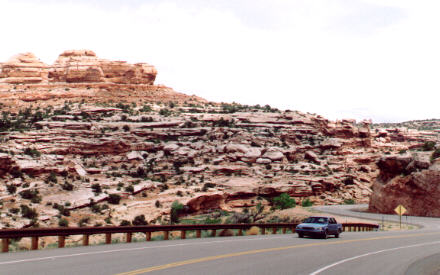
(400, 210)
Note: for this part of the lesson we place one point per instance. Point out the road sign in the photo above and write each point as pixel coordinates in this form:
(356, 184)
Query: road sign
(400, 210)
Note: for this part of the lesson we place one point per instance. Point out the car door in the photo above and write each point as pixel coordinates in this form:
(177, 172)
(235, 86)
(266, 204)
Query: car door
(332, 226)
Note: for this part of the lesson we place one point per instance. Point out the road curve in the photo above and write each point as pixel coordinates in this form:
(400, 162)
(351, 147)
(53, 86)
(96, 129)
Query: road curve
(353, 253)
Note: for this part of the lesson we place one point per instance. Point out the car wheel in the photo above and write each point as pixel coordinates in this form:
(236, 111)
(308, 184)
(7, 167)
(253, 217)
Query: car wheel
(337, 234)
(300, 235)
(325, 234)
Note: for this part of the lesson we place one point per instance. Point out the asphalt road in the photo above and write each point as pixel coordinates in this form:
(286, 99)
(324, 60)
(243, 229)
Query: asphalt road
(354, 253)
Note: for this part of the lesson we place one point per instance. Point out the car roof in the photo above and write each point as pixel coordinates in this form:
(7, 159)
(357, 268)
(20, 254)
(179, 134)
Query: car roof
(327, 217)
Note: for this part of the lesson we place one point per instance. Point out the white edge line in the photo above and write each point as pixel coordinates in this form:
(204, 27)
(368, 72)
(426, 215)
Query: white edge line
(368, 254)
(129, 249)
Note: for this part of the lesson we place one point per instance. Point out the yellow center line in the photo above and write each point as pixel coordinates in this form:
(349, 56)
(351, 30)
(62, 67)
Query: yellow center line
(264, 250)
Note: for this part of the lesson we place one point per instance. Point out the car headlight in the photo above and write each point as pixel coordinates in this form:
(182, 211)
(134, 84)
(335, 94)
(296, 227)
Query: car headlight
(319, 228)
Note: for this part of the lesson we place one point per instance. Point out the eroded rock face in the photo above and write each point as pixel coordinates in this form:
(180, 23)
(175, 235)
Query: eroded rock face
(407, 180)
(23, 68)
(75, 66)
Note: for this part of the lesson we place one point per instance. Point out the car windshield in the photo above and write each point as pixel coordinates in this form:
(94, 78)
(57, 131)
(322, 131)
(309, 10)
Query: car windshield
(315, 220)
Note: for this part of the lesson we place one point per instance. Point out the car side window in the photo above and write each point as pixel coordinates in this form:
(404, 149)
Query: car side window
(332, 221)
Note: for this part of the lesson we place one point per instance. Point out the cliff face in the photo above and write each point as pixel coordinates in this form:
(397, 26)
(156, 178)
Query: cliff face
(409, 179)
(76, 66)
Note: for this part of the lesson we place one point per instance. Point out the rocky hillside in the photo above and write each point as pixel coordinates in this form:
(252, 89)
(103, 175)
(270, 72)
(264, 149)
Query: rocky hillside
(411, 179)
(98, 143)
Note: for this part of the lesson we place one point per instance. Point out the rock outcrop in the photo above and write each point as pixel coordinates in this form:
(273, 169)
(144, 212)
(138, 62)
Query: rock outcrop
(410, 180)
(75, 66)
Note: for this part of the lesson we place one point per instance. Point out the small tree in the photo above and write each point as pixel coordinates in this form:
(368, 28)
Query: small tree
(176, 209)
(114, 198)
(139, 220)
(96, 187)
(306, 203)
(63, 222)
(283, 201)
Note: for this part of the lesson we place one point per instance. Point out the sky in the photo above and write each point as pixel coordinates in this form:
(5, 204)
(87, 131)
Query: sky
(362, 59)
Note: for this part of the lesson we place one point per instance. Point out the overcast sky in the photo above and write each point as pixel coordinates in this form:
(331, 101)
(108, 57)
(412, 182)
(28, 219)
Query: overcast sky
(377, 59)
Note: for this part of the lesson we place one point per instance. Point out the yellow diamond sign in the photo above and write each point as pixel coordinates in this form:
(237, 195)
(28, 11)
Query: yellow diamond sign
(400, 210)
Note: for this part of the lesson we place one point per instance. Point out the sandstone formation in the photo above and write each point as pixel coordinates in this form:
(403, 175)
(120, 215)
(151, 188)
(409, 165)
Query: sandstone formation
(410, 180)
(76, 66)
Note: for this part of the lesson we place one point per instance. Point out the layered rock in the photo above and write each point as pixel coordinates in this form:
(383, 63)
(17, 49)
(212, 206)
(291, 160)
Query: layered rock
(75, 66)
(23, 68)
(410, 180)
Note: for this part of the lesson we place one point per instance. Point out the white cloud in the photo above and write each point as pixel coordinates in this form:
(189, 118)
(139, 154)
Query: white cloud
(363, 59)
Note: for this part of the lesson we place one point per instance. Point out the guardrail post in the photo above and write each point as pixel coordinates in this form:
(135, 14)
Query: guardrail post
(240, 232)
(274, 230)
(166, 235)
(263, 231)
(61, 241)
(34, 245)
(5, 245)
(108, 238)
(284, 230)
(198, 233)
(85, 240)
(128, 237)
(183, 234)
(293, 230)
(148, 236)
(213, 233)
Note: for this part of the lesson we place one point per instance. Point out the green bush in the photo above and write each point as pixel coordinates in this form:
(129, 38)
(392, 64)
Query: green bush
(63, 222)
(349, 201)
(125, 223)
(11, 188)
(27, 212)
(52, 178)
(306, 203)
(139, 220)
(114, 198)
(96, 187)
(283, 201)
(31, 195)
(176, 210)
(67, 186)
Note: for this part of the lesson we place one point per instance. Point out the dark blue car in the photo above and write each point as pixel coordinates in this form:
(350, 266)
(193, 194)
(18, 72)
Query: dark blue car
(319, 227)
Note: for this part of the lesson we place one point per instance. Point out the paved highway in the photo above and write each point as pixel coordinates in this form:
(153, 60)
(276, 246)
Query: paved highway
(354, 253)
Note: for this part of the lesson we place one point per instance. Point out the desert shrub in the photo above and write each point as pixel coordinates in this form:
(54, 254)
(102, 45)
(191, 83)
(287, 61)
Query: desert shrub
(253, 231)
(67, 186)
(126, 128)
(32, 152)
(283, 201)
(157, 204)
(139, 220)
(27, 212)
(125, 223)
(31, 195)
(306, 203)
(63, 222)
(96, 208)
(114, 198)
(129, 189)
(11, 188)
(349, 201)
(428, 146)
(96, 187)
(52, 178)
(176, 210)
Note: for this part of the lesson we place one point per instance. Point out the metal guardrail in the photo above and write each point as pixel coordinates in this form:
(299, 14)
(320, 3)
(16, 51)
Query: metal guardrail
(63, 232)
